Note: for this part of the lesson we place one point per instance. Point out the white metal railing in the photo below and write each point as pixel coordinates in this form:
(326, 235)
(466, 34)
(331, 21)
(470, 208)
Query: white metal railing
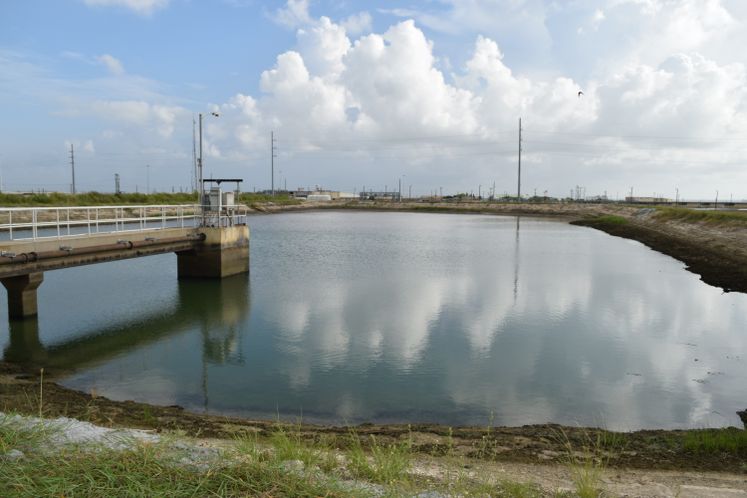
(23, 223)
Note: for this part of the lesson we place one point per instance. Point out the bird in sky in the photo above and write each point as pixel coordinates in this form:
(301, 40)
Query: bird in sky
(580, 93)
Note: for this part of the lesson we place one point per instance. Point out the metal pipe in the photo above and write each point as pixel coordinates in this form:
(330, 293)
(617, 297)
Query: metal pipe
(38, 256)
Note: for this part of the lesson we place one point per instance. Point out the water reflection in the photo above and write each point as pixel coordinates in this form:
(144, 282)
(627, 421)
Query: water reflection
(215, 307)
(412, 317)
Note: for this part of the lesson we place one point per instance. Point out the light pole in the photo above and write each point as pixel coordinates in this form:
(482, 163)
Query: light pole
(147, 179)
(201, 191)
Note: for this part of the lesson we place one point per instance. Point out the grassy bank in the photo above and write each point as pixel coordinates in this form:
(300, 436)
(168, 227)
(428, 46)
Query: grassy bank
(64, 457)
(39, 459)
(107, 199)
(708, 217)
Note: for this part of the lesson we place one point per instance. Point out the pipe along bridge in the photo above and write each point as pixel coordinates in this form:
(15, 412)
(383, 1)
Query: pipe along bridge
(35, 240)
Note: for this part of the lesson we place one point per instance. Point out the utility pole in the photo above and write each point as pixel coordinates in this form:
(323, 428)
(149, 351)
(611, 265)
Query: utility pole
(116, 184)
(200, 193)
(72, 165)
(518, 193)
(147, 179)
(409, 192)
(399, 191)
(194, 155)
(273, 149)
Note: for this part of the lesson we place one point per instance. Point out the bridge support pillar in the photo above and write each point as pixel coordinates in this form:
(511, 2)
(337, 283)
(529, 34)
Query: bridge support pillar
(22, 294)
(224, 252)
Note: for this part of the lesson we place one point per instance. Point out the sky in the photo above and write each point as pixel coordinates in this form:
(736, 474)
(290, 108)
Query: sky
(427, 94)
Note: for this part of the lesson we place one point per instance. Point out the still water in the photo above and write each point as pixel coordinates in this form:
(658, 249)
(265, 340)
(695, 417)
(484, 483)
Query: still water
(405, 317)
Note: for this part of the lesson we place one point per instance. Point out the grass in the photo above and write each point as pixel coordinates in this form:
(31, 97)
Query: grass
(108, 199)
(146, 470)
(611, 219)
(94, 199)
(710, 217)
(588, 461)
(14, 435)
(729, 440)
(386, 463)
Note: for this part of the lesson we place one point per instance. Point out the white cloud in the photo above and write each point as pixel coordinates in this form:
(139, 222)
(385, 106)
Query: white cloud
(85, 146)
(113, 64)
(160, 118)
(142, 7)
(294, 14)
(353, 108)
(357, 23)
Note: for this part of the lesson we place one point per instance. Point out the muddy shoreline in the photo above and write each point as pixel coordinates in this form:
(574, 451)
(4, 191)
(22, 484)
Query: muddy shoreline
(717, 257)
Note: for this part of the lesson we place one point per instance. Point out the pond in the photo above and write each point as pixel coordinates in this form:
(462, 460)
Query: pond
(352, 317)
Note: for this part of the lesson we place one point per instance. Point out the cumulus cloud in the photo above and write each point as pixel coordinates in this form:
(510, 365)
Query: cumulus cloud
(113, 64)
(160, 118)
(352, 105)
(357, 23)
(143, 7)
(294, 14)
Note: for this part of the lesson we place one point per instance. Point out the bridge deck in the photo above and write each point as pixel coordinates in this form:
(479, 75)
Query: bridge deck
(18, 257)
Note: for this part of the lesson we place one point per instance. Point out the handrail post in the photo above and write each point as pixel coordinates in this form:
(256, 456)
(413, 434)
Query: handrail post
(33, 224)
(58, 222)
(88, 219)
(10, 223)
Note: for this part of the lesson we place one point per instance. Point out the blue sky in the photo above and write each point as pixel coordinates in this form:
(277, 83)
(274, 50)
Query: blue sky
(365, 94)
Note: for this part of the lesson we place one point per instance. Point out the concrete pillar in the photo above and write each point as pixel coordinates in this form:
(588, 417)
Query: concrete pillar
(224, 252)
(22, 294)
(24, 345)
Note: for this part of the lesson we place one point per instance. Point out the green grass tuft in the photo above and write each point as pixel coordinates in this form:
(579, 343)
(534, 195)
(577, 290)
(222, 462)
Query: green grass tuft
(387, 464)
(611, 219)
(729, 440)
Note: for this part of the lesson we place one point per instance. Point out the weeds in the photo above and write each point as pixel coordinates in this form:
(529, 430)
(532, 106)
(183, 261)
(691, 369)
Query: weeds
(146, 470)
(41, 391)
(15, 435)
(729, 440)
(702, 216)
(287, 445)
(611, 219)
(588, 462)
(386, 464)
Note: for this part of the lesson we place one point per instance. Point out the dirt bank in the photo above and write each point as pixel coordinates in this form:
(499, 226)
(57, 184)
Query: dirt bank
(652, 449)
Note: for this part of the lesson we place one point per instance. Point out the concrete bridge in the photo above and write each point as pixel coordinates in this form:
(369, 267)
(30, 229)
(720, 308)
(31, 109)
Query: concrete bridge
(35, 240)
